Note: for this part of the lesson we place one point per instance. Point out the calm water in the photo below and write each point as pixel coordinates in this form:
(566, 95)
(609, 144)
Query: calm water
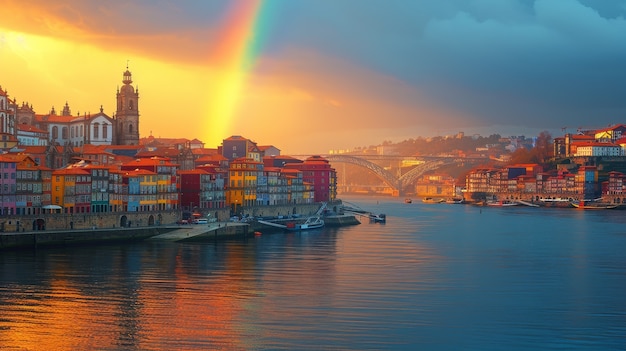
(435, 277)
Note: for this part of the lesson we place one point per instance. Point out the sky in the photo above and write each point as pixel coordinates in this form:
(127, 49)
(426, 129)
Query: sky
(310, 76)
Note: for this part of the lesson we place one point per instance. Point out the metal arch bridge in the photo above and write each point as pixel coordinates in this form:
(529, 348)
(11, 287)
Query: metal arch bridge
(403, 182)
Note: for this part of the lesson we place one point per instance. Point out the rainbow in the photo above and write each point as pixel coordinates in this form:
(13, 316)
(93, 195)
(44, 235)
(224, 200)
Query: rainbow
(235, 56)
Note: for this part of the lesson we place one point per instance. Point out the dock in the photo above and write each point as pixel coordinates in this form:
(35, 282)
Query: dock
(194, 232)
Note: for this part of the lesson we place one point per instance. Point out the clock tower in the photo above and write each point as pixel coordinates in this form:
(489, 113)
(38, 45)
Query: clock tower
(127, 114)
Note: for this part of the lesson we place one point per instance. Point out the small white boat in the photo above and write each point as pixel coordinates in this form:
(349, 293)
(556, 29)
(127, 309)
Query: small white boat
(502, 203)
(310, 223)
(292, 226)
(455, 201)
(379, 218)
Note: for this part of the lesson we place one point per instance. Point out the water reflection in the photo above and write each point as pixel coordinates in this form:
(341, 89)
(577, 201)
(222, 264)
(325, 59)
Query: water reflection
(434, 277)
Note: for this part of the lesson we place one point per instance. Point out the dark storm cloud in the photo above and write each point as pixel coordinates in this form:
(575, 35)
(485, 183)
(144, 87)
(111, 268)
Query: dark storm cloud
(540, 64)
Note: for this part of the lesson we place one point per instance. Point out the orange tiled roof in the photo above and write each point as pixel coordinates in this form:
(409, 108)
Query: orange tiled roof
(70, 171)
(138, 172)
(193, 171)
(29, 128)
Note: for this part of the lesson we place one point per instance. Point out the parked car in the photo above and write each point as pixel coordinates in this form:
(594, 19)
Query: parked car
(201, 221)
(182, 221)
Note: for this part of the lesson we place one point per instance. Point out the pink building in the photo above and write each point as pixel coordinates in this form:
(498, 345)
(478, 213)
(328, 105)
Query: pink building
(8, 184)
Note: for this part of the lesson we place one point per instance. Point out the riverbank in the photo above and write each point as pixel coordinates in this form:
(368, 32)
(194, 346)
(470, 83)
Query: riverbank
(179, 233)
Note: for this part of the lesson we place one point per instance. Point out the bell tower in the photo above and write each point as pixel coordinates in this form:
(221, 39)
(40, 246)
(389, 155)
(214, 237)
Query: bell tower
(127, 114)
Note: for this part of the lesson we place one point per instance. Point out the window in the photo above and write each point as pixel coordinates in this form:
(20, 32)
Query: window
(55, 132)
(64, 133)
(105, 129)
(96, 130)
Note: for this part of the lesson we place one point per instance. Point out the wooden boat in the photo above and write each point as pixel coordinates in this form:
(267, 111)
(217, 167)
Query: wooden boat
(593, 205)
(559, 202)
(430, 200)
(408, 201)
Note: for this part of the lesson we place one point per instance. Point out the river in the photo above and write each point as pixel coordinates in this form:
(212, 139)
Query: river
(434, 277)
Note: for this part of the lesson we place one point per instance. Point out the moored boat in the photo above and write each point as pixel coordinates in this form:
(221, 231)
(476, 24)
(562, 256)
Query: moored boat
(593, 205)
(455, 201)
(559, 202)
(430, 200)
(310, 223)
(502, 203)
(380, 218)
(408, 201)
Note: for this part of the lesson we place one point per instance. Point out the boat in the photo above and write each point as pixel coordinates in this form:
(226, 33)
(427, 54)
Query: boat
(502, 203)
(379, 218)
(408, 201)
(559, 202)
(455, 201)
(593, 205)
(430, 200)
(313, 222)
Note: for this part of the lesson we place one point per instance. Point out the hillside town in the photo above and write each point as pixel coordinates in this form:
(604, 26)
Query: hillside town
(96, 163)
(586, 165)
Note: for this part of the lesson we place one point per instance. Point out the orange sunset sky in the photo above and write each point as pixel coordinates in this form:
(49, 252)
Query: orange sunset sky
(305, 76)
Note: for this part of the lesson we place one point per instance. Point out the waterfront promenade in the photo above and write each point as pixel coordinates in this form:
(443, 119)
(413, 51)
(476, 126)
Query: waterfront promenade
(174, 233)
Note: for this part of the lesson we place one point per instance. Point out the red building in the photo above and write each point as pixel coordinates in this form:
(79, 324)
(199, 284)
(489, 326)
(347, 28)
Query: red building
(318, 171)
(190, 185)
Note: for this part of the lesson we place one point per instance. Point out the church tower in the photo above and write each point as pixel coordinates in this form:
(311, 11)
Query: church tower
(127, 114)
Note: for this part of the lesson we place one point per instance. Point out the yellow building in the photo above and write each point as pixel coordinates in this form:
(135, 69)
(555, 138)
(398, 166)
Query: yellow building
(243, 176)
(71, 189)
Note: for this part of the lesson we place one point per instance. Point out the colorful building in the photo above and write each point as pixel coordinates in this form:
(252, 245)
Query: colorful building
(71, 189)
(317, 171)
(167, 194)
(243, 176)
(29, 185)
(142, 190)
(8, 185)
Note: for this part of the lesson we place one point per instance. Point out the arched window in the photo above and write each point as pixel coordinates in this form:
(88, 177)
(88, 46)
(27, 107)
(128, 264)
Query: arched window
(72, 131)
(55, 132)
(130, 104)
(64, 133)
(130, 128)
(82, 131)
(96, 130)
(105, 131)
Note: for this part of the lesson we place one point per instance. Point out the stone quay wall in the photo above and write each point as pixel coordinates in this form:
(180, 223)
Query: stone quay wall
(113, 220)
(33, 240)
